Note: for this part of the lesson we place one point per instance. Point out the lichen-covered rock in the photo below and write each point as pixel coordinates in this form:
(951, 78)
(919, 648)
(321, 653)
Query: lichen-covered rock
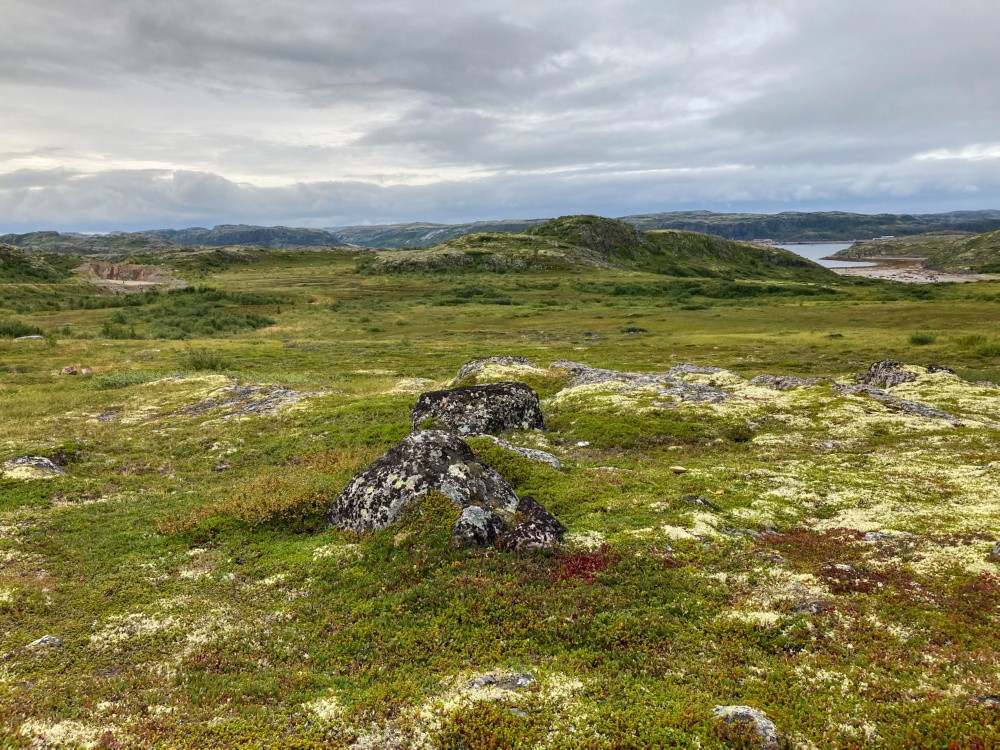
(531, 454)
(424, 462)
(476, 527)
(995, 553)
(31, 467)
(671, 383)
(813, 607)
(901, 404)
(786, 382)
(534, 528)
(477, 365)
(479, 409)
(886, 374)
(764, 727)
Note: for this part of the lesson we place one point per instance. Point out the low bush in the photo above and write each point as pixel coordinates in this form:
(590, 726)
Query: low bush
(922, 338)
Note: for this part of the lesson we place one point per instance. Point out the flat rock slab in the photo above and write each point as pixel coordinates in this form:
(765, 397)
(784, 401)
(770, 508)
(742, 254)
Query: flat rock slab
(425, 461)
(479, 409)
(31, 467)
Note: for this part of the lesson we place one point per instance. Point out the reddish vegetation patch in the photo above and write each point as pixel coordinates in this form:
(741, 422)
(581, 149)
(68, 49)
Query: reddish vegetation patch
(812, 548)
(846, 579)
(975, 600)
(585, 565)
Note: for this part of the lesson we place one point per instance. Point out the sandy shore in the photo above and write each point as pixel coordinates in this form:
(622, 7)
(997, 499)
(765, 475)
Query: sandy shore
(907, 270)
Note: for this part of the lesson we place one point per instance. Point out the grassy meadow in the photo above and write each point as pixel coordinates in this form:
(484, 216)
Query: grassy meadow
(183, 560)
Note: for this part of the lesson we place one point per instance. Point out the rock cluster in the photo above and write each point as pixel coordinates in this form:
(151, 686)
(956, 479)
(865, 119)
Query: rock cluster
(886, 374)
(438, 461)
(479, 409)
(425, 461)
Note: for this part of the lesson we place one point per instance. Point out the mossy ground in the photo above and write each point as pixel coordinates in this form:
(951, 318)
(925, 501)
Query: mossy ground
(183, 558)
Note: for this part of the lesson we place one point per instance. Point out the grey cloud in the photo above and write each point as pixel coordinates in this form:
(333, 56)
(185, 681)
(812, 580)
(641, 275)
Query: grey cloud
(490, 108)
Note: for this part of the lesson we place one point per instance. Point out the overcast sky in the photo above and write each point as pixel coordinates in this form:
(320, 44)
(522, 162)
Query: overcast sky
(130, 114)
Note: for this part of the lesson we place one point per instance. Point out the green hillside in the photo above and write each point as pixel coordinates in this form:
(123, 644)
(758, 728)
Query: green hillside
(788, 226)
(597, 242)
(944, 251)
(112, 244)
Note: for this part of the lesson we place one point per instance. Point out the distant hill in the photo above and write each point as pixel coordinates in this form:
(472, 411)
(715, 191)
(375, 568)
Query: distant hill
(783, 227)
(421, 234)
(116, 243)
(828, 225)
(945, 251)
(593, 241)
(18, 267)
(225, 235)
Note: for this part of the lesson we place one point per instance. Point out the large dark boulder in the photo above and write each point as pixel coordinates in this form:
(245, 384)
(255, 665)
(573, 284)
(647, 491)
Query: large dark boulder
(424, 462)
(479, 409)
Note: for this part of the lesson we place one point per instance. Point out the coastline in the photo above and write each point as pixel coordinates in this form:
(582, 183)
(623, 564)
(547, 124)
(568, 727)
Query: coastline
(907, 270)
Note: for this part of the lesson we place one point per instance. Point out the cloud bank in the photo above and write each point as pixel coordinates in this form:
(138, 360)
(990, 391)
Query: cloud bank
(125, 115)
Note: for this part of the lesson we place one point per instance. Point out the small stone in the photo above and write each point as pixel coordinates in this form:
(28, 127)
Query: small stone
(698, 500)
(517, 681)
(678, 470)
(484, 681)
(30, 338)
(813, 607)
(988, 701)
(46, 641)
(518, 712)
(995, 553)
(75, 370)
(583, 444)
(476, 528)
(742, 532)
(764, 727)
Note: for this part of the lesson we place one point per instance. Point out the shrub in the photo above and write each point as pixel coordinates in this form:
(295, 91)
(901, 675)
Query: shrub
(922, 338)
(202, 359)
(12, 329)
(294, 493)
(991, 349)
(114, 380)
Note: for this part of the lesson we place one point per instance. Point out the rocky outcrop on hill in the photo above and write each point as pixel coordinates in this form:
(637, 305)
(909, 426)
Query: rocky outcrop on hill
(886, 374)
(479, 409)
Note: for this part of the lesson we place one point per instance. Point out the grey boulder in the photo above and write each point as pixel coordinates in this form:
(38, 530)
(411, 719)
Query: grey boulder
(479, 409)
(425, 461)
(476, 527)
(750, 717)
